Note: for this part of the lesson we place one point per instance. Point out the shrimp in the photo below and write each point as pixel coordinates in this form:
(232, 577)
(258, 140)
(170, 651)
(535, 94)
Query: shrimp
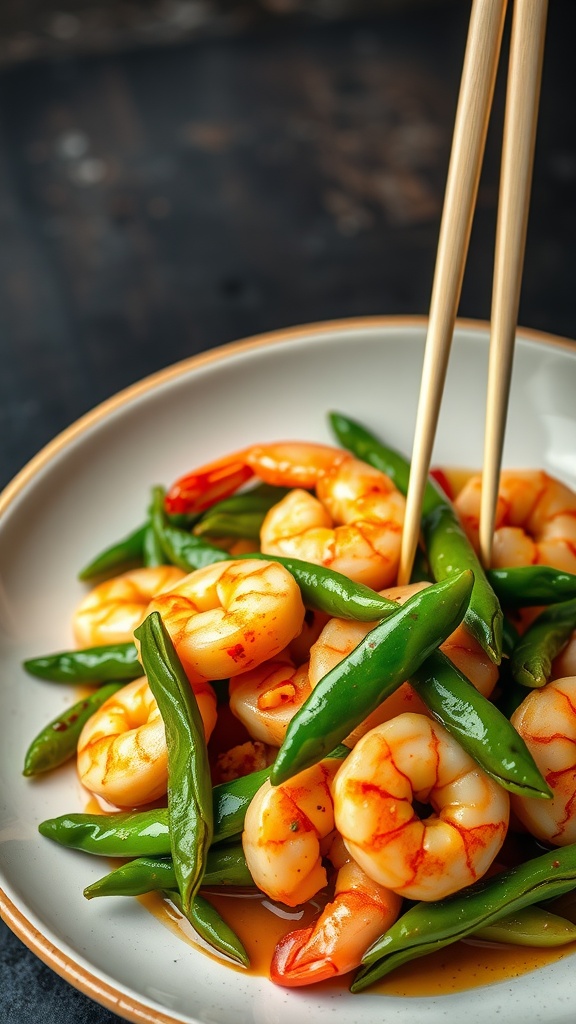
(413, 757)
(287, 831)
(546, 721)
(122, 754)
(230, 616)
(266, 698)
(340, 636)
(535, 519)
(112, 610)
(284, 829)
(353, 525)
(335, 943)
(242, 759)
(286, 463)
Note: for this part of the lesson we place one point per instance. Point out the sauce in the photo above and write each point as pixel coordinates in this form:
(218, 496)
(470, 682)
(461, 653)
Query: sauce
(259, 924)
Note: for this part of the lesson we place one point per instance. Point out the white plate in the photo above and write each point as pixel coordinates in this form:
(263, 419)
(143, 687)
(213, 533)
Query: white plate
(89, 487)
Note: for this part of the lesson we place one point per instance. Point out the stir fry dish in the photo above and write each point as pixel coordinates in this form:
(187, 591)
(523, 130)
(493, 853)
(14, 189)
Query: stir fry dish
(266, 709)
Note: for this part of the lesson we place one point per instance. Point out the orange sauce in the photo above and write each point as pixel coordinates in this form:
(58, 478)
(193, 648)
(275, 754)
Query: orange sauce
(458, 967)
(260, 923)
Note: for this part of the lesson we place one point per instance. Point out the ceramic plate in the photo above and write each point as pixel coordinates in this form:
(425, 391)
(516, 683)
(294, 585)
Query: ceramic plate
(88, 488)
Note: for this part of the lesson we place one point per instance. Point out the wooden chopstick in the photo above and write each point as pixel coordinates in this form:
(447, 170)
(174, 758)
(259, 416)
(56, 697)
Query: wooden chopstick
(471, 125)
(522, 98)
(472, 116)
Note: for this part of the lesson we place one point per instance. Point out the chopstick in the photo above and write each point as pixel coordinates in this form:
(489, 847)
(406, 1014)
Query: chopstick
(471, 124)
(522, 98)
(470, 128)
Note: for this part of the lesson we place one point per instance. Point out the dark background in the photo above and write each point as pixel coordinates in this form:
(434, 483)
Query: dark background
(177, 175)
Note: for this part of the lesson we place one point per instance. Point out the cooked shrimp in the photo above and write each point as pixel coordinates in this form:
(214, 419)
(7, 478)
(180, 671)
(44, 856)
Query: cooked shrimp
(241, 760)
(335, 943)
(353, 525)
(283, 832)
(266, 698)
(284, 464)
(112, 610)
(230, 616)
(122, 753)
(340, 636)
(535, 519)
(546, 721)
(412, 757)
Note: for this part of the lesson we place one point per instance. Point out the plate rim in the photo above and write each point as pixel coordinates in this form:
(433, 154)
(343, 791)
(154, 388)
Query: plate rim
(219, 352)
(64, 965)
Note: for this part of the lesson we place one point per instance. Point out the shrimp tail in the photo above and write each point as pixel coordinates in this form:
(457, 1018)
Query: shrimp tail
(197, 491)
(284, 464)
(296, 962)
(337, 941)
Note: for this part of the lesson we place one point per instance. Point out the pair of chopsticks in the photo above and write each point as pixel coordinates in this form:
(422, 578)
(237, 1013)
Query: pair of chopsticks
(472, 117)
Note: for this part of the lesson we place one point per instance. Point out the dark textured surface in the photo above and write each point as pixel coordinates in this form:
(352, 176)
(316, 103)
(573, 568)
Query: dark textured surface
(157, 202)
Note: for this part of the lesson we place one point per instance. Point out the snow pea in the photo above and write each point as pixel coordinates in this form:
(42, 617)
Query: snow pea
(94, 665)
(524, 586)
(531, 926)
(118, 556)
(535, 650)
(448, 549)
(387, 655)
(241, 515)
(180, 546)
(189, 787)
(206, 920)
(225, 866)
(139, 547)
(146, 833)
(152, 550)
(480, 728)
(119, 834)
(426, 927)
(56, 743)
(328, 591)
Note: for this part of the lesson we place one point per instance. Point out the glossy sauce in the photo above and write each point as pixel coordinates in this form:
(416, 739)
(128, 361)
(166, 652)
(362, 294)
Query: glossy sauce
(259, 924)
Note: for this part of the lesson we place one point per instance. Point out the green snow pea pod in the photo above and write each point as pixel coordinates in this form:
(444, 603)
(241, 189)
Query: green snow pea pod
(531, 926)
(448, 549)
(523, 586)
(387, 655)
(241, 515)
(94, 665)
(480, 728)
(535, 650)
(206, 920)
(181, 547)
(189, 786)
(146, 833)
(152, 550)
(426, 927)
(328, 591)
(56, 743)
(225, 866)
(119, 556)
(120, 834)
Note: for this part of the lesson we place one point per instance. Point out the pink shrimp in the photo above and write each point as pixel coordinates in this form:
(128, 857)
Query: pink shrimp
(353, 525)
(335, 943)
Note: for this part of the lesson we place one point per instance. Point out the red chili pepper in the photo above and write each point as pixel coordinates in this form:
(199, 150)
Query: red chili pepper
(442, 480)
